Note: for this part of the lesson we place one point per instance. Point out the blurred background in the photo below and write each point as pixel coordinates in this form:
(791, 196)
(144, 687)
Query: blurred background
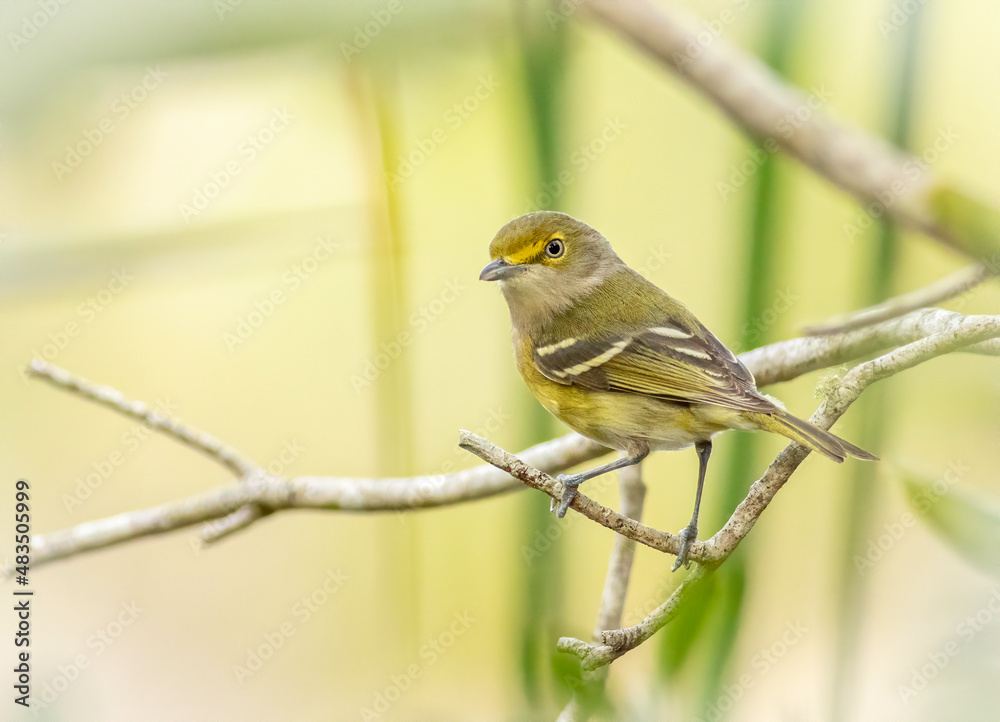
(234, 210)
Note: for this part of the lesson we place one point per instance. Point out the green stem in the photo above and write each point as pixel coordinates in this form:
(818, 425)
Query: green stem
(543, 58)
(759, 276)
(387, 276)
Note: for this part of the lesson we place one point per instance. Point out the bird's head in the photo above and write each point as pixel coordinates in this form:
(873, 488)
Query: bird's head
(545, 260)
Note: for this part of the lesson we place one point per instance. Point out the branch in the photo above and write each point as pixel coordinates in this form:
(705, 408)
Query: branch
(537, 479)
(761, 103)
(787, 360)
(617, 642)
(158, 421)
(633, 496)
(944, 289)
(305, 492)
(778, 362)
(609, 615)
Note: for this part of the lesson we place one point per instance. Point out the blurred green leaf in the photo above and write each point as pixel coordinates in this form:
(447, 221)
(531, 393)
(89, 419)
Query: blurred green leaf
(973, 225)
(970, 523)
(570, 681)
(723, 627)
(679, 636)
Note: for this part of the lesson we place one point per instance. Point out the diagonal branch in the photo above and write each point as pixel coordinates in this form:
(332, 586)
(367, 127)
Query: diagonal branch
(786, 360)
(941, 290)
(633, 497)
(158, 421)
(764, 105)
(609, 616)
(536, 479)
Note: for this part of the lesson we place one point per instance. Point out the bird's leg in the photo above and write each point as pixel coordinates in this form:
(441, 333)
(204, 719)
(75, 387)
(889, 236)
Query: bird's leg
(689, 533)
(571, 481)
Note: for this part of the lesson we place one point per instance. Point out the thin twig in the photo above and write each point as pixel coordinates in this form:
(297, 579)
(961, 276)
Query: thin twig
(942, 290)
(609, 615)
(536, 479)
(787, 360)
(242, 466)
(236, 521)
(633, 496)
(158, 421)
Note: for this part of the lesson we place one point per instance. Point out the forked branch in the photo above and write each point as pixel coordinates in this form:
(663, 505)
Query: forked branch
(234, 506)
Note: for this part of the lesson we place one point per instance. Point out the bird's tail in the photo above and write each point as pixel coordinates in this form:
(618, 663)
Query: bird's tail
(808, 434)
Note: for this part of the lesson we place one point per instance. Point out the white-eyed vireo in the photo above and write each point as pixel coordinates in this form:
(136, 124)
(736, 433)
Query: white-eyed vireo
(619, 360)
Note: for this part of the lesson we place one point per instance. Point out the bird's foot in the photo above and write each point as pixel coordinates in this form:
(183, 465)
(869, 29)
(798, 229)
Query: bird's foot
(569, 493)
(688, 535)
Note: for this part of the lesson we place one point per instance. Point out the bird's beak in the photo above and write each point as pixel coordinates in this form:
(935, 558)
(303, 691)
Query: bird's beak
(499, 270)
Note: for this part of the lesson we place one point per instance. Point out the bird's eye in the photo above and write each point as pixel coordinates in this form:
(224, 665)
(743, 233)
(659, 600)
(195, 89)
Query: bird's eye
(555, 248)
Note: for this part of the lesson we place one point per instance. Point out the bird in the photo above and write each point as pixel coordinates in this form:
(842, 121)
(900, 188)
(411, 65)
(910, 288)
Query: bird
(620, 361)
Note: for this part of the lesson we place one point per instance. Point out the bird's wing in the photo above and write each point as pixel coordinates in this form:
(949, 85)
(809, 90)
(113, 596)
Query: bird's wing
(673, 361)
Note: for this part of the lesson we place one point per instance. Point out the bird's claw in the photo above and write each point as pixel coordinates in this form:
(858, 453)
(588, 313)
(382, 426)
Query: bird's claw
(568, 494)
(687, 535)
